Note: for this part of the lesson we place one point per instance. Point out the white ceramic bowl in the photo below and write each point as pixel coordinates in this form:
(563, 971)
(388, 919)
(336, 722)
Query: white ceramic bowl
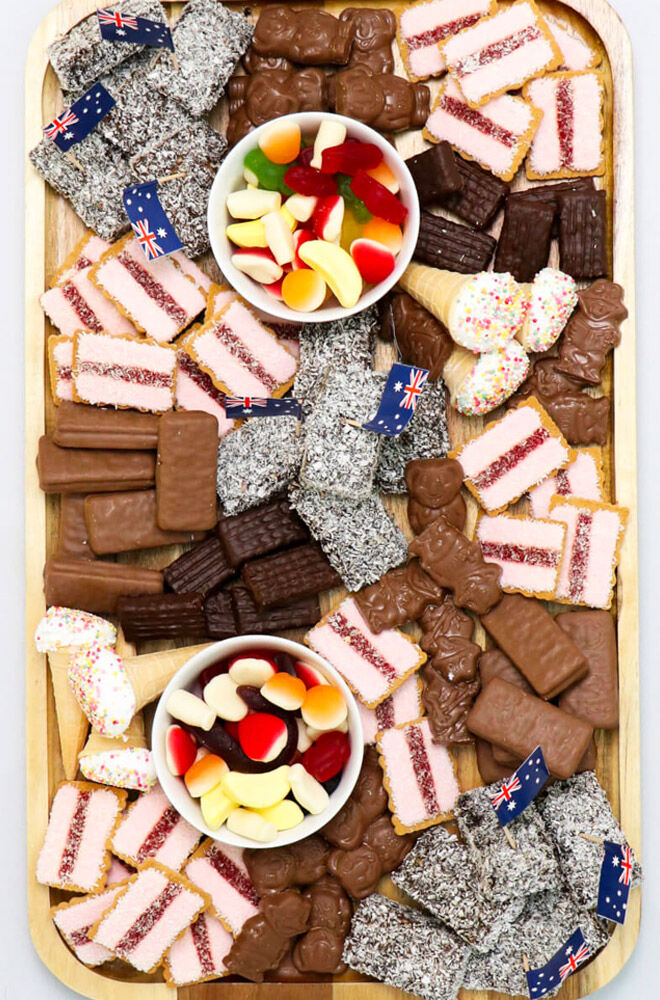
(175, 788)
(230, 178)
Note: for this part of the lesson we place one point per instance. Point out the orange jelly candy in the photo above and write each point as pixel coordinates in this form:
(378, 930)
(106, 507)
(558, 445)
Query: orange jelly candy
(303, 290)
(283, 689)
(280, 142)
(324, 707)
(387, 233)
(386, 177)
(205, 774)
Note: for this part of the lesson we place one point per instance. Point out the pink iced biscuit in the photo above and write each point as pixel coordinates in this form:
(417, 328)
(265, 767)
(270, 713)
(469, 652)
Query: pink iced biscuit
(85, 253)
(148, 916)
(126, 372)
(152, 828)
(118, 871)
(582, 477)
(373, 665)
(60, 366)
(161, 297)
(75, 854)
(195, 391)
(501, 52)
(198, 955)
(220, 871)
(78, 304)
(576, 53)
(569, 139)
(418, 775)
(404, 705)
(242, 356)
(74, 919)
(496, 135)
(423, 25)
(286, 333)
(512, 455)
(593, 539)
(529, 552)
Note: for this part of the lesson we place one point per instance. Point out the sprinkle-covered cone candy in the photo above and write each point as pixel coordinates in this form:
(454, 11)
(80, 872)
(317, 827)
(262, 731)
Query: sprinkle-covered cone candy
(125, 762)
(133, 736)
(479, 383)
(71, 720)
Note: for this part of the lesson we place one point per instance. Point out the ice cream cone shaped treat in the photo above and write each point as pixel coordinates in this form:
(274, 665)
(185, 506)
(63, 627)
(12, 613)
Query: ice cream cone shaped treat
(481, 311)
(552, 297)
(152, 828)
(110, 690)
(198, 955)
(76, 853)
(74, 918)
(61, 633)
(125, 762)
(479, 384)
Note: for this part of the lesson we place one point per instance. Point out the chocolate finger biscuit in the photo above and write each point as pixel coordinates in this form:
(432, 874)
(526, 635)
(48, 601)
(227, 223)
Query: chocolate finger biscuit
(90, 470)
(186, 471)
(451, 247)
(79, 426)
(124, 522)
(162, 616)
(280, 579)
(94, 585)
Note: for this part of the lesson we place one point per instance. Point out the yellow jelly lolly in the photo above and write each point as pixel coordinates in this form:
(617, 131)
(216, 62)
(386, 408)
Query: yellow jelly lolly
(285, 815)
(336, 267)
(288, 218)
(216, 806)
(385, 176)
(258, 791)
(251, 825)
(351, 230)
(387, 233)
(280, 141)
(303, 290)
(247, 234)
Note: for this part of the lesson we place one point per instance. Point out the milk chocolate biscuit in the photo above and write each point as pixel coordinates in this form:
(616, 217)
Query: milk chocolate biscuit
(358, 870)
(523, 248)
(592, 332)
(257, 948)
(91, 470)
(583, 234)
(445, 619)
(421, 338)
(454, 657)
(489, 769)
(94, 585)
(399, 597)
(386, 102)
(124, 522)
(285, 577)
(530, 637)
(435, 173)
(481, 194)
(434, 482)
(319, 951)
(596, 697)
(186, 471)
(261, 530)
(420, 516)
(272, 93)
(72, 538)
(456, 563)
(201, 570)
(375, 31)
(80, 426)
(221, 622)
(311, 37)
(447, 705)
(552, 194)
(162, 616)
(581, 418)
(519, 722)
(452, 247)
(277, 868)
(494, 663)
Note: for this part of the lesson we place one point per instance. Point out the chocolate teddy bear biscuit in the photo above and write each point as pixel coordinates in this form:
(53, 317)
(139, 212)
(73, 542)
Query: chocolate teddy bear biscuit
(320, 951)
(592, 332)
(374, 33)
(358, 870)
(367, 801)
(273, 93)
(310, 36)
(447, 705)
(457, 563)
(386, 102)
(452, 656)
(421, 338)
(390, 846)
(276, 868)
(399, 597)
(581, 418)
(254, 63)
(420, 516)
(434, 487)
(443, 620)
(330, 906)
(264, 939)
(288, 972)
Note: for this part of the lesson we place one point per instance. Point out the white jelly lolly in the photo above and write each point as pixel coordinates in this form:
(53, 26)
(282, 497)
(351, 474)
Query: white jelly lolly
(188, 708)
(221, 694)
(252, 204)
(251, 825)
(311, 795)
(251, 670)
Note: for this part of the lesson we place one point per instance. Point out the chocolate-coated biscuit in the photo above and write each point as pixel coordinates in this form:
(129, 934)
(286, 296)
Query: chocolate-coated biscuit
(287, 972)
(452, 247)
(254, 63)
(260, 530)
(310, 36)
(369, 790)
(434, 482)
(346, 829)
(96, 585)
(435, 173)
(583, 234)
(524, 244)
(272, 93)
(250, 619)
(552, 194)
(80, 426)
(285, 577)
(495, 663)
(581, 418)
(386, 102)
(358, 870)
(592, 332)
(186, 471)
(288, 911)
(72, 538)
(220, 618)
(91, 470)
(330, 906)
(421, 338)
(596, 697)
(481, 194)
(452, 656)
(201, 570)
(257, 948)
(162, 616)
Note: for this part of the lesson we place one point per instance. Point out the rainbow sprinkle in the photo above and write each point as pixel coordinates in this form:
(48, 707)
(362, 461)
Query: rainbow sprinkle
(102, 689)
(552, 299)
(488, 311)
(61, 627)
(131, 767)
(494, 377)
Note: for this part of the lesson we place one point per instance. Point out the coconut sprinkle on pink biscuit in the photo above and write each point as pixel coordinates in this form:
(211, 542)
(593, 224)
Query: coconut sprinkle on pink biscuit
(422, 26)
(529, 552)
(576, 53)
(582, 477)
(404, 705)
(198, 955)
(195, 391)
(152, 828)
(593, 539)
(219, 869)
(126, 372)
(78, 304)
(60, 368)
(569, 139)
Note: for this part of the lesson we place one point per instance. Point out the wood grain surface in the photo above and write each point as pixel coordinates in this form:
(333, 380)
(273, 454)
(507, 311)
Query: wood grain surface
(52, 228)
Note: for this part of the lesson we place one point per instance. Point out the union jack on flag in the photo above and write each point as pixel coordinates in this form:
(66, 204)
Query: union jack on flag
(413, 389)
(245, 406)
(116, 19)
(151, 225)
(563, 964)
(401, 394)
(59, 125)
(117, 27)
(574, 960)
(147, 239)
(76, 123)
(615, 881)
(505, 792)
(515, 793)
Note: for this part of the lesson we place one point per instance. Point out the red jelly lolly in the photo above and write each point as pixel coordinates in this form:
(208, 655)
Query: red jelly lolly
(350, 156)
(308, 180)
(305, 156)
(327, 756)
(377, 198)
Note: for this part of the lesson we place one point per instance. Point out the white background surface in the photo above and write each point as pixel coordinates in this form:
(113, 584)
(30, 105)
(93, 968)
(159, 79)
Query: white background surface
(21, 973)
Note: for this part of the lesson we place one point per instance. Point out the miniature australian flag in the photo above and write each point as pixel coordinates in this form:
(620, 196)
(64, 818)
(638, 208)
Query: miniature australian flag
(615, 881)
(151, 225)
(563, 964)
(76, 123)
(239, 407)
(516, 792)
(399, 400)
(116, 27)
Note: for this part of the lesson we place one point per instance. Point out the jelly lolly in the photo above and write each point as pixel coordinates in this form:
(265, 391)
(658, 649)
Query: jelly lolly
(377, 198)
(308, 180)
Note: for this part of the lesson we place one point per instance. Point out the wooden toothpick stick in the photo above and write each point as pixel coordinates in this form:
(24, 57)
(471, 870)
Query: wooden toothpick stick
(352, 423)
(172, 177)
(591, 839)
(525, 962)
(509, 837)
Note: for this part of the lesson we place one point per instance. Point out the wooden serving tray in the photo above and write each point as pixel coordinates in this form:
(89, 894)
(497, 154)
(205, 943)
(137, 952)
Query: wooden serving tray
(52, 229)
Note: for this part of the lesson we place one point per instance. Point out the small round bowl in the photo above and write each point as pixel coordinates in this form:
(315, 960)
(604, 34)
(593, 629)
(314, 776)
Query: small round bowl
(230, 178)
(175, 788)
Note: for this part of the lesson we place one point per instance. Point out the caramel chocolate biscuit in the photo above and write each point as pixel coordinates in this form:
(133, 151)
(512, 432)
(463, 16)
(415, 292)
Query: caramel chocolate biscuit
(596, 697)
(583, 234)
(162, 616)
(96, 586)
(591, 332)
(123, 522)
(457, 563)
(372, 42)
(250, 619)
(220, 616)
(435, 173)
(508, 717)
(422, 339)
(481, 194)
(452, 247)
(201, 570)
(310, 36)
(386, 102)
(91, 470)
(186, 471)
(531, 638)
(80, 426)
(72, 539)
(523, 248)
(399, 597)
(447, 704)
(285, 577)
(260, 530)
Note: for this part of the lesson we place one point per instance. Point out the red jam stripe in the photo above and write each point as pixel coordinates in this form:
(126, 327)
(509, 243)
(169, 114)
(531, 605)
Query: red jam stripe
(577, 570)
(85, 314)
(79, 938)
(200, 936)
(440, 32)
(422, 769)
(562, 484)
(473, 118)
(158, 834)
(565, 121)
(74, 837)
(236, 347)
(362, 646)
(529, 554)
(64, 373)
(201, 379)
(232, 874)
(154, 290)
(513, 457)
(148, 919)
(125, 373)
(82, 263)
(385, 714)
(498, 50)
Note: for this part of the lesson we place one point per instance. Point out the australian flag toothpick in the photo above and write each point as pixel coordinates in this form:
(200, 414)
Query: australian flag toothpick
(116, 27)
(521, 788)
(239, 407)
(615, 880)
(76, 123)
(399, 400)
(151, 225)
(563, 964)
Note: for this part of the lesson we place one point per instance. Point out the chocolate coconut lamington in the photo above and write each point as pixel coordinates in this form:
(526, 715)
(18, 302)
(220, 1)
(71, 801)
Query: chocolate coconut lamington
(257, 461)
(209, 39)
(358, 537)
(507, 873)
(329, 347)
(440, 874)
(426, 436)
(577, 806)
(405, 948)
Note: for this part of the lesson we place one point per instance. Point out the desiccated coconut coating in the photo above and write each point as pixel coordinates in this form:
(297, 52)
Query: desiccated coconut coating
(328, 347)
(426, 436)
(358, 537)
(257, 461)
(577, 806)
(405, 948)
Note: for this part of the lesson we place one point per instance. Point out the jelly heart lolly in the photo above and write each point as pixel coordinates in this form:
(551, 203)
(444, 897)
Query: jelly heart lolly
(356, 205)
(350, 156)
(308, 180)
(258, 169)
(378, 199)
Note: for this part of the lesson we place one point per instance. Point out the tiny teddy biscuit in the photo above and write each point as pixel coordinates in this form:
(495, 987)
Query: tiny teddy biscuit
(152, 828)
(198, 955)
(74, 918)
(123, 371)
(529, 550)
(76, 851)
(220, 870)
(582, 477)
(422, 26)
(593, 543)
(569, 139)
